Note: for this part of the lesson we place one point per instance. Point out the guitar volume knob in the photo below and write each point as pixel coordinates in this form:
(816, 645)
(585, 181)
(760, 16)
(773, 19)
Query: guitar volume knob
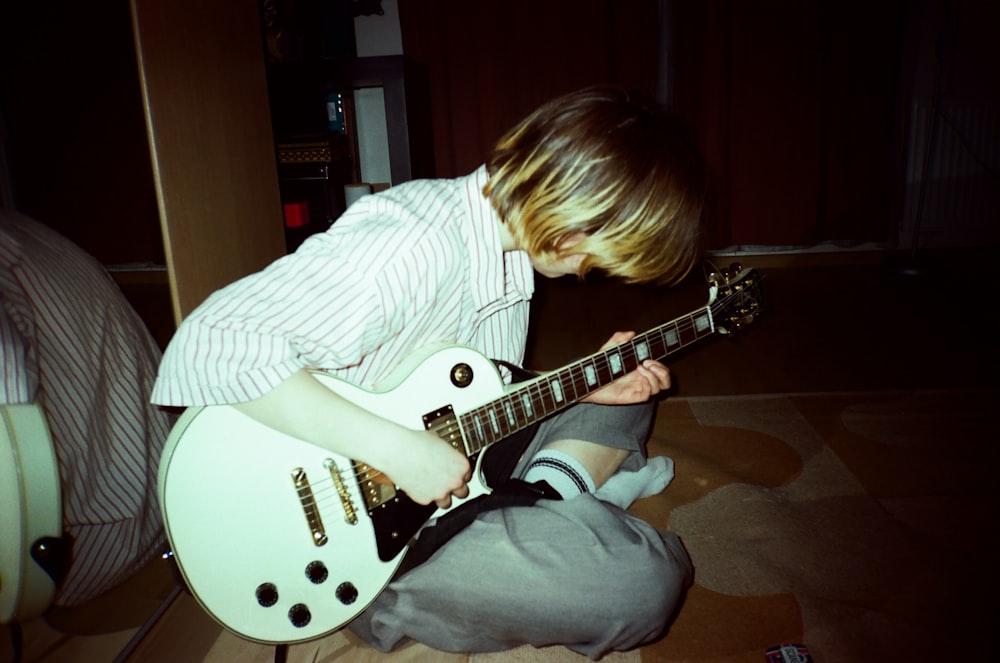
(267, 594)
(299, 615)
(347, 593)
(317, 572)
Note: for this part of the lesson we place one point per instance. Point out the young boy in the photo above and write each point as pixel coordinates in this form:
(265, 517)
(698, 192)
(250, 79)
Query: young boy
(595, 180)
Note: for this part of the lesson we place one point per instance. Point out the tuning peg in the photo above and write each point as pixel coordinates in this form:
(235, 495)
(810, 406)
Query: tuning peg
(733, 271)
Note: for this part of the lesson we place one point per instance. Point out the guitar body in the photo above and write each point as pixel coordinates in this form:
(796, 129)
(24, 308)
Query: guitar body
(30, 511)
(282, 541)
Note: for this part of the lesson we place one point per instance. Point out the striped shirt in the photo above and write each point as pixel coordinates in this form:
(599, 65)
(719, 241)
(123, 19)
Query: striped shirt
(71, 342)
(416, 265)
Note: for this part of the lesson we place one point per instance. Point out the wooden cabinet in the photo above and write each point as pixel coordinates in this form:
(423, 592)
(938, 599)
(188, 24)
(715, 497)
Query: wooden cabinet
(204, 91)
(141, 131)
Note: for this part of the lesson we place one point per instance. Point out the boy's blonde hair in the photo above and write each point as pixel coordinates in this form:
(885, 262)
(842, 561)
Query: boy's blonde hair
(598, 162)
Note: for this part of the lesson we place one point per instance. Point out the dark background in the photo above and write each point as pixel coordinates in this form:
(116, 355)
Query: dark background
(802, 109)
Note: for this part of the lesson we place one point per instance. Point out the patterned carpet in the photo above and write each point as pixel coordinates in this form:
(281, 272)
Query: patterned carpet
(857, 524)
(854, 523)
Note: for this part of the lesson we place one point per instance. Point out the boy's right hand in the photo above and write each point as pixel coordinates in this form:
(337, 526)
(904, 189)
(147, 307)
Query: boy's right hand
(428, 469)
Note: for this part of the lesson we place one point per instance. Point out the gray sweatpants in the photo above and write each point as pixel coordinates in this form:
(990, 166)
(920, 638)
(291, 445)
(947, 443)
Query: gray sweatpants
(578, 572)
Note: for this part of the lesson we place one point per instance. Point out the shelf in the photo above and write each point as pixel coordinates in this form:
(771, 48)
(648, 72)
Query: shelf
(298, 93)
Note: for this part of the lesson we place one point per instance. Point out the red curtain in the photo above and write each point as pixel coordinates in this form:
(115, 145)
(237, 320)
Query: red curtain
(794, 104)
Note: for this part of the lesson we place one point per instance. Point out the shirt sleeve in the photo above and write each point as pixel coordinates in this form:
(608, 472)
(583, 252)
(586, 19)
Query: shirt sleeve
(19, 372)
(329, 305)
(254, 334)
(18, 362)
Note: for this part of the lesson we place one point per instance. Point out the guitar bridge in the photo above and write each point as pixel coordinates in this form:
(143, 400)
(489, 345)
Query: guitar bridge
(308, 501)
(346, 503)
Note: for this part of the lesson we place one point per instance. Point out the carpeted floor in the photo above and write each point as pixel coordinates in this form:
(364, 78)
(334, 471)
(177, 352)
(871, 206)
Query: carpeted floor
(849, 522)
(833, 483)
(853, 523)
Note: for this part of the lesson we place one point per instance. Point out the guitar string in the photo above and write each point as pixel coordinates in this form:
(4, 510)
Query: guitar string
(541, 392)
(602, 361)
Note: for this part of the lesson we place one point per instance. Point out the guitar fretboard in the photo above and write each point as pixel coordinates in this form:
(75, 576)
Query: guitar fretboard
(552, 392)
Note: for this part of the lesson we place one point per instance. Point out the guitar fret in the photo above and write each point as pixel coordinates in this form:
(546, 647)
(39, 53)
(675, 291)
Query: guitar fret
(604, 372)
(480, 431)
(508, 409)
(616, 363)
(543, 399)
(698, 325)
(671, 338)
(642, 351)
(689, 333)
(539, 398)
(556, 390)
(658, 347)
(577, 382)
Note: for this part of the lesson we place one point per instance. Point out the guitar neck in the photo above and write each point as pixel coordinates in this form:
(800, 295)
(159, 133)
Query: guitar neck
(537, 399)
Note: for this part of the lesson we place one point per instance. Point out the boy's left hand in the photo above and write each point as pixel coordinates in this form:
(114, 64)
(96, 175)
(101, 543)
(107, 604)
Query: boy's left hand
(646, 381)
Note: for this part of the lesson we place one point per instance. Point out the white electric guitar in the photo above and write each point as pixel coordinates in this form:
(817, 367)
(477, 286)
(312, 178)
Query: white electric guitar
(282, 541)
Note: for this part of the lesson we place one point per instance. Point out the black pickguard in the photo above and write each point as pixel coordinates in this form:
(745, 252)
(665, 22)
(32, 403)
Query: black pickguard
(396, 522)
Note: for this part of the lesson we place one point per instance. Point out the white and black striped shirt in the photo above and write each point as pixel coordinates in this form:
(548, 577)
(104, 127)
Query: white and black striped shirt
(71, 342)
(416, 265)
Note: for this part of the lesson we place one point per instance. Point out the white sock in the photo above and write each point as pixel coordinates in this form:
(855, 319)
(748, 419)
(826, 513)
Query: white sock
(624, 488)
(563, 472)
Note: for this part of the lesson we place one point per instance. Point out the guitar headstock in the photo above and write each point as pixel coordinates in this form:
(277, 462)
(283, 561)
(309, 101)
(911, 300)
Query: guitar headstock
(737, 296)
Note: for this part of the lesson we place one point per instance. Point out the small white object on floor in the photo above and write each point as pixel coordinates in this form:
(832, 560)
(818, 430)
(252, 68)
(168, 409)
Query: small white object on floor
(555, 654)
(624, 488)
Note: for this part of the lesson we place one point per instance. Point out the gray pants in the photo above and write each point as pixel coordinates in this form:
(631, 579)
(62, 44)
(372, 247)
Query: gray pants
(578, 572)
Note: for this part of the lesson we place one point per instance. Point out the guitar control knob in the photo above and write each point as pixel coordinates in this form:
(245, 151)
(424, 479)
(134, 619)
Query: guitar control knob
(461, 375)
(299, 615)
(267, 594)
(317, 572)
(347, 593)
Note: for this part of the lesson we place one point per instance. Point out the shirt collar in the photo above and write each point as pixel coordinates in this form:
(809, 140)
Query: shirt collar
(498, 275)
